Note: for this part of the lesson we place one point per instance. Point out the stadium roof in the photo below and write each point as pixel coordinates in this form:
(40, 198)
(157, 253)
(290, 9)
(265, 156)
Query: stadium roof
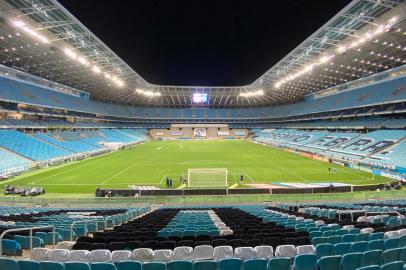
(42, 38)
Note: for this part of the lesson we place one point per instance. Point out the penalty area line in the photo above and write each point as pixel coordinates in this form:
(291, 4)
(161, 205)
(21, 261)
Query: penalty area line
(250, 178)
(163, 178)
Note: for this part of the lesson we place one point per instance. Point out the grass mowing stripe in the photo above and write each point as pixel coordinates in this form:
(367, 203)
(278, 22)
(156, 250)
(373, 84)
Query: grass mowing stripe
(143, 165)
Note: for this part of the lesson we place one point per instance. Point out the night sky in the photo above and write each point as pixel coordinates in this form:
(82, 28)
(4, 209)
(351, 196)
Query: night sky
(208, 42)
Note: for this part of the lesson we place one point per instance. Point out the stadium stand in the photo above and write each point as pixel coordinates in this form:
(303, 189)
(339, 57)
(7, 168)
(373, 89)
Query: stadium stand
(44, 147)
(11, 163)
(374, 147)
(304, 236)
(28, 146)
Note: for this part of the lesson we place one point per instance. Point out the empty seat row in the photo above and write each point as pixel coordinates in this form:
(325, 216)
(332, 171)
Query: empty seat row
(184, 253)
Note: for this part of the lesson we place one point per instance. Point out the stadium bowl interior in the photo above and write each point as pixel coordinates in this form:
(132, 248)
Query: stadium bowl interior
(301, 169)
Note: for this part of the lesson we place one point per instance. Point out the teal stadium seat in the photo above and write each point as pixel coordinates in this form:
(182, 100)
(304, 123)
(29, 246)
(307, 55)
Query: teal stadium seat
(305, 262)
(371, 257)
(330, 263)
(230, 264)
(254, 264)
(53, 266)
(180, 265)
(277, 264)
(9, 264)
(29, 265)
(204, 265)
(391, 255)
(154, 266)
(362, 237)
(77, 266)
(103, 266)
(360, 246)
(351, 261)
(128, 265)
(369, 267)
(397, 265)
(11, 247)
(375, 244)
(391, 243)
(323, 250)
(376, 236)
(342, 248)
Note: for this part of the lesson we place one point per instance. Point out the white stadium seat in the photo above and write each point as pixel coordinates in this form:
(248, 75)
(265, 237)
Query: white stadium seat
(79, 256)
(39, 254)
(204, 252)
(285, 251)
(244, 253)
(121, 255)
(222, 252)
(367, 230)
(263, 252)
(182, 253)
(162, 255)
(142, 254)
(59, 255)
(306, 249)
(100, 255)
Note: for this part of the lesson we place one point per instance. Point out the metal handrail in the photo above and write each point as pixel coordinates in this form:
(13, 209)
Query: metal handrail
(381, 213)
(30, 229)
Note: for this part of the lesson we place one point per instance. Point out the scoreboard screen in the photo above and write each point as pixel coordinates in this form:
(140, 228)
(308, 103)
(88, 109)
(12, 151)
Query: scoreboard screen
(200, 99)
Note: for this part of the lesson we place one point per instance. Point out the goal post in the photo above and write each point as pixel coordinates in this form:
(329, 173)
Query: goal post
(207, 177)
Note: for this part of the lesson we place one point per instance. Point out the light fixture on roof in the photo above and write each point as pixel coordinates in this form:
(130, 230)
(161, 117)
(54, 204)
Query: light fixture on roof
(148, 93)
(255, 93)
(362, 38)
(83, 60)
(29, 31)
(96, 69)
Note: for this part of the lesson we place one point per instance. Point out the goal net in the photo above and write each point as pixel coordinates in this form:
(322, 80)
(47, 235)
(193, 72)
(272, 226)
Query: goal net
(211, 177)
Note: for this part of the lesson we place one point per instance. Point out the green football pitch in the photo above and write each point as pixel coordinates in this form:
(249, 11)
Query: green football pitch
(152, 162)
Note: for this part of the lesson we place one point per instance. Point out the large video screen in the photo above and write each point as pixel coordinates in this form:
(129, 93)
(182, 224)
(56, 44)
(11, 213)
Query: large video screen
(200, 98)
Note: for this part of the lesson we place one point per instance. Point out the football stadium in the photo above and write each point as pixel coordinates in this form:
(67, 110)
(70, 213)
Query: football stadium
(299, 165)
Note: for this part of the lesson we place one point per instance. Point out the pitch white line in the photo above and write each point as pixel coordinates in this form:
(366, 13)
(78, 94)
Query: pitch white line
(117, 174)
(163, 178)
(250, 178)
(291, 173)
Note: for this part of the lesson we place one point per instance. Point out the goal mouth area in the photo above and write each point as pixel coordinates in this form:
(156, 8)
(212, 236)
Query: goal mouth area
(207, 178)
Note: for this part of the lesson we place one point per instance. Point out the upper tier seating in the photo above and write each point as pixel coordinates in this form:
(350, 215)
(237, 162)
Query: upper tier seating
(72, 145)
(12, 163)
(385, 91)
(29, 146)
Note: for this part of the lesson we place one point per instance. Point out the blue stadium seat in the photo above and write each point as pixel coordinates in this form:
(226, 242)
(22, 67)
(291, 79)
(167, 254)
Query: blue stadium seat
(128, 265)
(351, 261)
(397, 265)
(180, 265)
(9, 264)
(323, 250)
(305, 262)
(277, 264)
(330, 263)
(154, 266)
(229, 263)
(371, 257)
(29, 265)
(53, 266)
(391, 255)
(77, 266)
(254, 264)
(103, 266)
